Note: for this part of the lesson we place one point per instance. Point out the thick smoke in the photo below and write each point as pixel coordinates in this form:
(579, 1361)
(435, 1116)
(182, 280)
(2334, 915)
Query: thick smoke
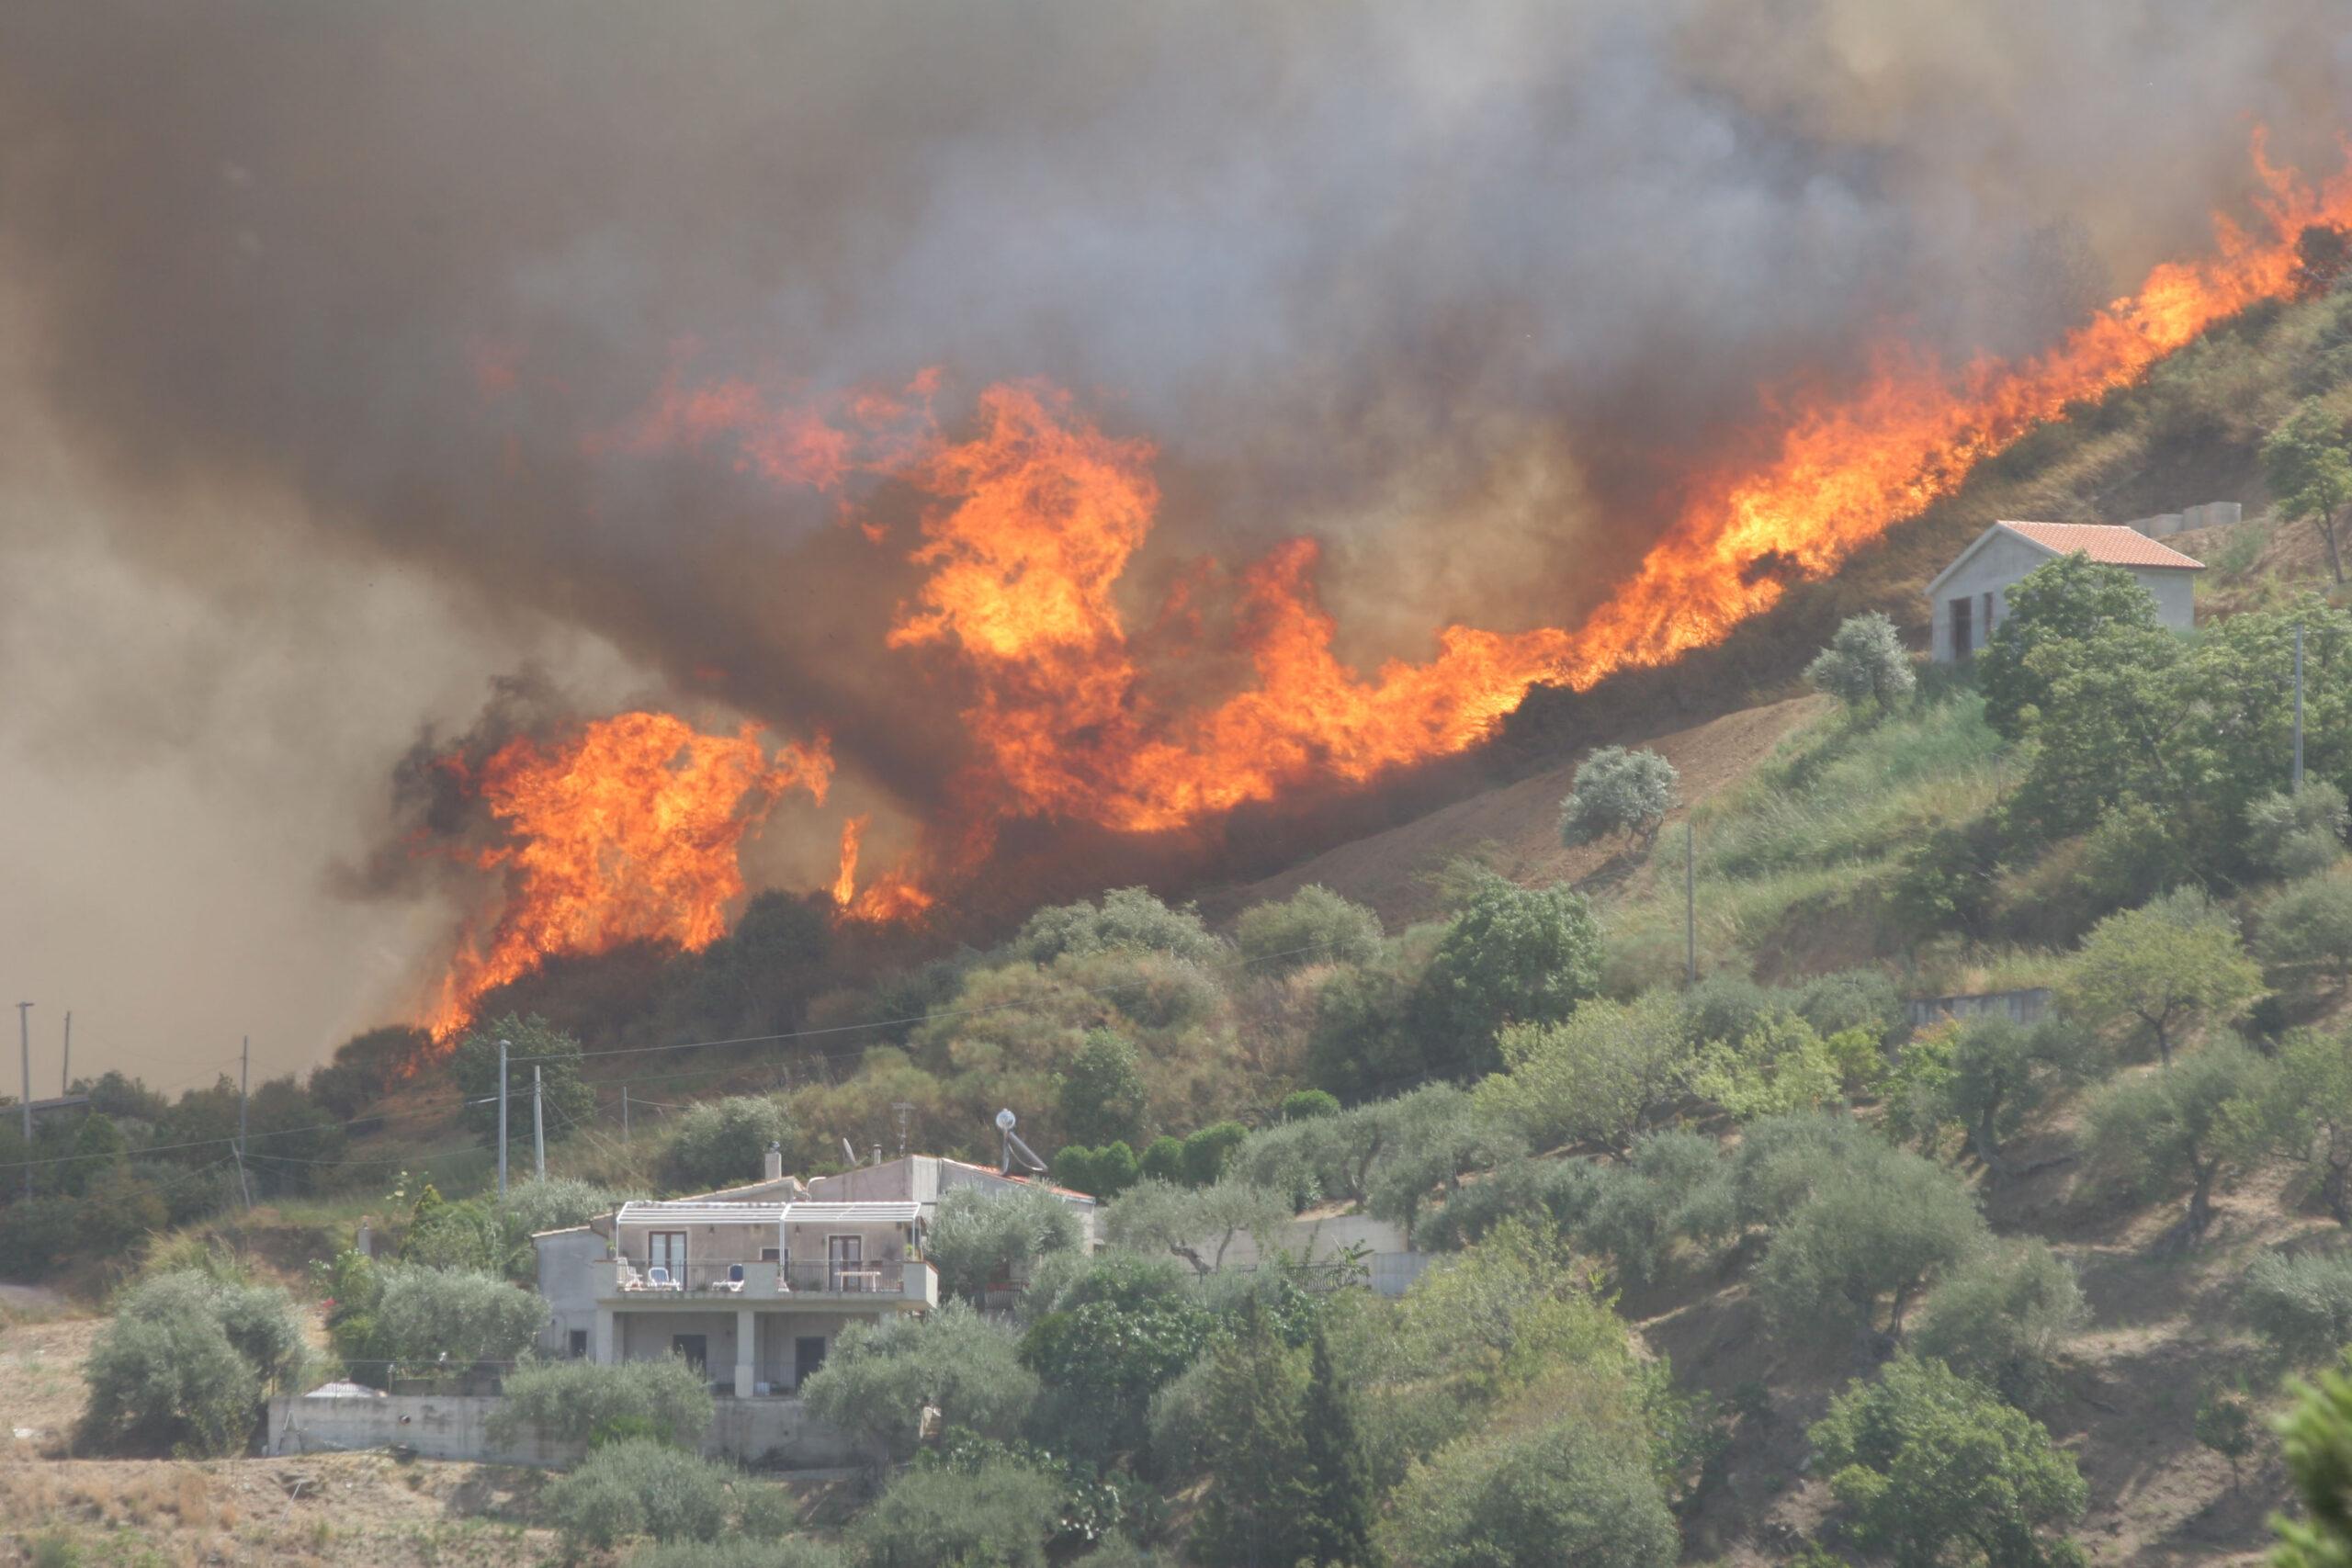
(1463, 289)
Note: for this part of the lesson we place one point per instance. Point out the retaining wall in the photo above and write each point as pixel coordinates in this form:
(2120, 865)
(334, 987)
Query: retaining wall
(778, 1432)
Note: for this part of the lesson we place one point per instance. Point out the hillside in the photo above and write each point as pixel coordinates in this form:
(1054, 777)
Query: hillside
(1677, 1230)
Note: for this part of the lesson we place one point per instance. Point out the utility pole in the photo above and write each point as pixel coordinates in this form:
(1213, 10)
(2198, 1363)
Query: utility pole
(244, 1083)
(538, 1128)
(66, 1070)
(2299, 708)
(1690, 905)
(502, 1122)
(624, 1113)
(24, 1049)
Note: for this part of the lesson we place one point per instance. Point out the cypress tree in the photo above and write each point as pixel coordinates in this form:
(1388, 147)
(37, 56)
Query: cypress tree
(1336, 1476)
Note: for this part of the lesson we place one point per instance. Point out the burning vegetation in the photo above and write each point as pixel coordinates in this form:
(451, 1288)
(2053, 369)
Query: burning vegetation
(1028, 526)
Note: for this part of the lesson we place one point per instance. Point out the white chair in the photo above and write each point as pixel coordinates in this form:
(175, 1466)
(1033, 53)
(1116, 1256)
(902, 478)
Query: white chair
(657, 1279)
(734, 1280)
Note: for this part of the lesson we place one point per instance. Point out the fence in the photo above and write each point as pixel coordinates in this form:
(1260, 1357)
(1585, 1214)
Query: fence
(776, 1432)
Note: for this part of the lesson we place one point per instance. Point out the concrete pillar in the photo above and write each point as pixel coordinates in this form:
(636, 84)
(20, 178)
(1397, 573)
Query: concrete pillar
(745, 1330)
(606, 1342)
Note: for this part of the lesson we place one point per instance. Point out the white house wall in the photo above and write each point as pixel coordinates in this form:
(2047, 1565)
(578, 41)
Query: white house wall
(2175, 593)
(2003, 559)
(569, 1267)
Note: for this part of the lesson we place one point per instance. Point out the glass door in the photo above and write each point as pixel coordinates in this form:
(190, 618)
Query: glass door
(844, 1260)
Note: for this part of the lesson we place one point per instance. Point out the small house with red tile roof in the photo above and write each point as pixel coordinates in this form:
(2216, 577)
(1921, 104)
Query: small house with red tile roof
(1970, 597)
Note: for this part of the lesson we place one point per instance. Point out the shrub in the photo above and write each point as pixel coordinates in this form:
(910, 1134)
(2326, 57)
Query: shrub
(1128, 918)
(639, 1487)
(1308, 1104)
(185, 1362)
(1852, 999)
(979, 1236)
(1102, 1094)
(1560, 1192)
(1559, 1493)
(2298, 835)
(36, 1233)
(2317, 1437)
(2001, 1317)
(2157, 970)
(2300, 1304)
(2307, 932)
(427, 1318)
(1206, 1150)
(1100, 1173)
(1599, 1076)
(2067, 600)
(1934, 1469)
(880, 1376)
(1313, 925)
(998, 1516)
(1116, 1331)
(594, 1403)
(1868, 1233)
(1618, 791)
(1779, 1067)
(1672, 1189)
(1514, 954)
(1163, 1161)
(1864, 663)
(1430, 1139)
(724, 1142)
(2154, 1134)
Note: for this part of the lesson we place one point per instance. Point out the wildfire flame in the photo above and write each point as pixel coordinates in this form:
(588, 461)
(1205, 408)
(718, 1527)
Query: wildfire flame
(628, 832)
(632, 831)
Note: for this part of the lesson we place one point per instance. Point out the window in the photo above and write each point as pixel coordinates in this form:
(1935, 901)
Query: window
(579, 1344)
(1964, 639)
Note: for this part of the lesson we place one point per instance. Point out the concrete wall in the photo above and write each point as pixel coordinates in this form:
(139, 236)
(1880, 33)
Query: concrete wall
(569, 1271)
(1394, 1265)
(778, 1432)
(2026, 1006)
(2175, 593)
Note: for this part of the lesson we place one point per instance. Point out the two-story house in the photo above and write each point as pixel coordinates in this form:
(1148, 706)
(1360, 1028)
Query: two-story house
(760, 1280)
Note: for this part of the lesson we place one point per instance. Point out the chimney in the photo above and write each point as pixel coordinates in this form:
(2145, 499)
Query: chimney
(771, 1164)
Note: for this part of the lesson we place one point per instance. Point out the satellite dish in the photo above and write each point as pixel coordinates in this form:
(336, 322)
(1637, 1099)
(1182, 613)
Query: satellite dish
(850, 1153)
(1004, 1121)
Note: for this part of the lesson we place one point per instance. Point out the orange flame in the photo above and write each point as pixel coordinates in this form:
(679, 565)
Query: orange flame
(632, 831)
(627, 832)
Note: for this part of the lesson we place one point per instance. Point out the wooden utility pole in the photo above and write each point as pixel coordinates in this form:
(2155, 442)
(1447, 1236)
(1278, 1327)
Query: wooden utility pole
(502, 1122)
(65, 1068)
(244, 1083)
(25, 1051)
(1690, 905)
(538, 1128)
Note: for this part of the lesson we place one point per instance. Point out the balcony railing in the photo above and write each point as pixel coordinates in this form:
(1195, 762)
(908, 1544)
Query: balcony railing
(635, 1278)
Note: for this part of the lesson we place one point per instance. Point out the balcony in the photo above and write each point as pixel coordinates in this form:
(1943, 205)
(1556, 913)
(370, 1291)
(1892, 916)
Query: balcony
(633, 1283)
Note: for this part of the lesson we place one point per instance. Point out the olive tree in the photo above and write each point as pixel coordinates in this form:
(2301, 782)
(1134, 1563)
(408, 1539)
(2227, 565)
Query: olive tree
(1513, 955)
(185, 1362)
(1601, 1075)
(724, 1142)
(1933, 1469)
(2182, 1127)
(1312, 926)
(1879, 1230)
(979, 1235)
(879, 1377)
(1618, 791)
(1864, 663)
(2158, 970)
(2300, 834)
(2001, 1318)
(2308, 466)
(2307, 932)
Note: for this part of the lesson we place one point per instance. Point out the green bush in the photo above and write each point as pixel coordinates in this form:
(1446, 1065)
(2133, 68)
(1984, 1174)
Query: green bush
(1102, 1094)
(2298, 835)
(1673, 1187)
(880, 1376)
(980, 1236)
(1163, 1161)
(2002, 1318)
(1314, 926)
(1560, 1192)
(640, 1487)
(532, 1042)
(1127, 918)
(1867, 1234)
(1934, 1469)
(1560, 1493)
(1099, 1173)
(592, 1402)
(1599, 1076)
(2157, 1133)
(184, 1363)
(998, 1516)
(1513, 955)
(1110, 1335)
(1206, 1150)
(1865, 664)
(724, 1142)
(447, 1319)
(2306, 933)
(2300, 1304)
(36, 1233)
(1307, 1104)
(1618, 791)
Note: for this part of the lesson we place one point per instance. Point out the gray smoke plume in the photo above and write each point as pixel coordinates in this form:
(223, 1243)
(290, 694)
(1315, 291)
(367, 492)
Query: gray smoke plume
(334, 296)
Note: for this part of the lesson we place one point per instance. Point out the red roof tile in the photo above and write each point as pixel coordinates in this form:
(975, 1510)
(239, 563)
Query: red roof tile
(2107, 543)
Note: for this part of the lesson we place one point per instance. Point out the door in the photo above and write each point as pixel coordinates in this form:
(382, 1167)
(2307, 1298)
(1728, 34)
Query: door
(1963, 636)
(667, 1249)
(808, 1355)
(844, 1256)
(695, 1348)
